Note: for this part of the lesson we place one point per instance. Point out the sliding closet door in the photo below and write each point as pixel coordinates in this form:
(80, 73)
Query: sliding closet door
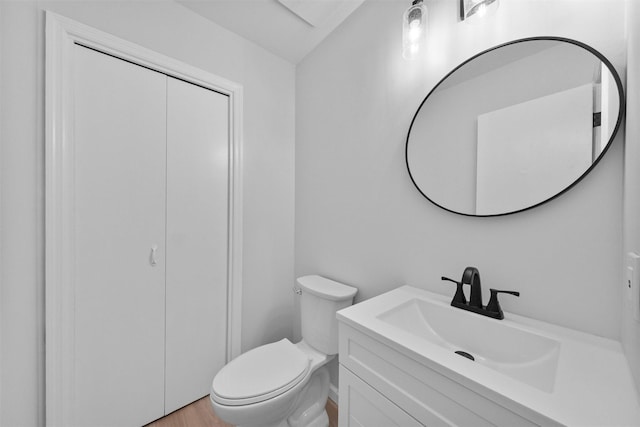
(120, 114)
(197, 206)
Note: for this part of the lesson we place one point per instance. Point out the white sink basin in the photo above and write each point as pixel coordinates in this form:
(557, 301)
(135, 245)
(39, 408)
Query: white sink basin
(518, 353)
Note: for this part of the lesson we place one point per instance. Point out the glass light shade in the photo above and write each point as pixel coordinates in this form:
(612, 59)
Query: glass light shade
(414, 30)
(477, 8)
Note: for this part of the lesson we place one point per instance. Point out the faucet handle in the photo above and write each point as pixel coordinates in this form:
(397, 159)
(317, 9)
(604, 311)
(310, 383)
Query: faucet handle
(494, 304)
(459, 297)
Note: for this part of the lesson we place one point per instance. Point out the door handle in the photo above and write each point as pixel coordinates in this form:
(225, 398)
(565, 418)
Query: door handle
(152, 256)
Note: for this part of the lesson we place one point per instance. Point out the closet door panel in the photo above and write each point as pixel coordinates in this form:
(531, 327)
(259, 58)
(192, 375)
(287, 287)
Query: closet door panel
(197, 195)
(120, 114)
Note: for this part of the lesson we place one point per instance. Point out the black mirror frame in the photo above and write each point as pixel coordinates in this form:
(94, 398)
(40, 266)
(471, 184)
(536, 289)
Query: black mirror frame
(621, 114)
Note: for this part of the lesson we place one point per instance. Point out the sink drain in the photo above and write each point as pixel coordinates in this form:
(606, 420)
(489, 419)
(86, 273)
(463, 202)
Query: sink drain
(465, 354)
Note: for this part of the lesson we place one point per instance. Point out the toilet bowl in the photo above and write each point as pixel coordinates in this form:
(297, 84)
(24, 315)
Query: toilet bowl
(284, 384)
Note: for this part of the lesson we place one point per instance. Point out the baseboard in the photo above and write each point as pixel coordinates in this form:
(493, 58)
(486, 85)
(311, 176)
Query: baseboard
(333, 393)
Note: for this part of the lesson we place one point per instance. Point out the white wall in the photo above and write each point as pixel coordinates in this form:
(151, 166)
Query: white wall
(360, 220)
(172, 30)
(631, 327)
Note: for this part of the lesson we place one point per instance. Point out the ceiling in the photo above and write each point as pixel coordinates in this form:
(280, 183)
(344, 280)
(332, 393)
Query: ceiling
(288, 28)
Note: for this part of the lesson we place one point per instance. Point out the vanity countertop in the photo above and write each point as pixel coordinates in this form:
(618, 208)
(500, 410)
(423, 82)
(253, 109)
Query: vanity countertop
(592, 384)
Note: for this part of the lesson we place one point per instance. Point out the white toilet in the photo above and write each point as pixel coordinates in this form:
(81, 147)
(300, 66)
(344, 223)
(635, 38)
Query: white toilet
(283, 384)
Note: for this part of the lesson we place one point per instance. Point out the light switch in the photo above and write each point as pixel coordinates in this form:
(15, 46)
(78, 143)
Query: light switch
(632, 283)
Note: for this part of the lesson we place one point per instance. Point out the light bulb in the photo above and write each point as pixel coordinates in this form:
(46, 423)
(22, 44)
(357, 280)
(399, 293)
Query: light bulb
(414, 31)
(482, 10)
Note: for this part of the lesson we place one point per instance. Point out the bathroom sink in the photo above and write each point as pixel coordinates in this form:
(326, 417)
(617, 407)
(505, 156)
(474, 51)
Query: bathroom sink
(504, 347)
(415, 346)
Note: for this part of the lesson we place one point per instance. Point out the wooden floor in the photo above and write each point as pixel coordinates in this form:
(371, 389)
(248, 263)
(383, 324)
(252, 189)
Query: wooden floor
(332, 411)
(200, 414)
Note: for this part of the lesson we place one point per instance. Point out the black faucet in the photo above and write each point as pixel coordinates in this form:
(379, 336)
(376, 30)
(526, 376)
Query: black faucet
(471, 276)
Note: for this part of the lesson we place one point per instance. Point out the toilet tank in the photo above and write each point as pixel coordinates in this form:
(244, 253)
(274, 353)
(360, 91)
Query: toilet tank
(321, 298)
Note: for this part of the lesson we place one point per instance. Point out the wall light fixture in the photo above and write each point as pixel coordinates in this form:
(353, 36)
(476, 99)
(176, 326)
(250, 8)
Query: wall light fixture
(476, 8)
(414, 29)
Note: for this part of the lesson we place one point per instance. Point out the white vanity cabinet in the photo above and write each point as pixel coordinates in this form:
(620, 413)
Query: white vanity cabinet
(381, 387)
(400, 357)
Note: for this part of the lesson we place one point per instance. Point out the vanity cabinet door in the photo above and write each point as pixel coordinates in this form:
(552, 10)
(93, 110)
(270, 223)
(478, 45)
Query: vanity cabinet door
(362, 406)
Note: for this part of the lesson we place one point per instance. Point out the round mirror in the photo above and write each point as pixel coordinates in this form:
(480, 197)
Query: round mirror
(514, 126)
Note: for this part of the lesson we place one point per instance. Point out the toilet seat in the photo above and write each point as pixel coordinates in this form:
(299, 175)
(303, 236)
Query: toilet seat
(260, 374)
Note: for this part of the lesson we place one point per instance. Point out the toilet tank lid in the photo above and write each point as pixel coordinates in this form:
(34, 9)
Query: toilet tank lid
(326, 288)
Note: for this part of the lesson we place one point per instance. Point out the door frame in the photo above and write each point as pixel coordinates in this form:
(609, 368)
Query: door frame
(61, 35)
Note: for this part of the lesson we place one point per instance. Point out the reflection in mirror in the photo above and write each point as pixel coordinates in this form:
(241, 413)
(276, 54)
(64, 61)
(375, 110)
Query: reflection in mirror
(514, 127)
